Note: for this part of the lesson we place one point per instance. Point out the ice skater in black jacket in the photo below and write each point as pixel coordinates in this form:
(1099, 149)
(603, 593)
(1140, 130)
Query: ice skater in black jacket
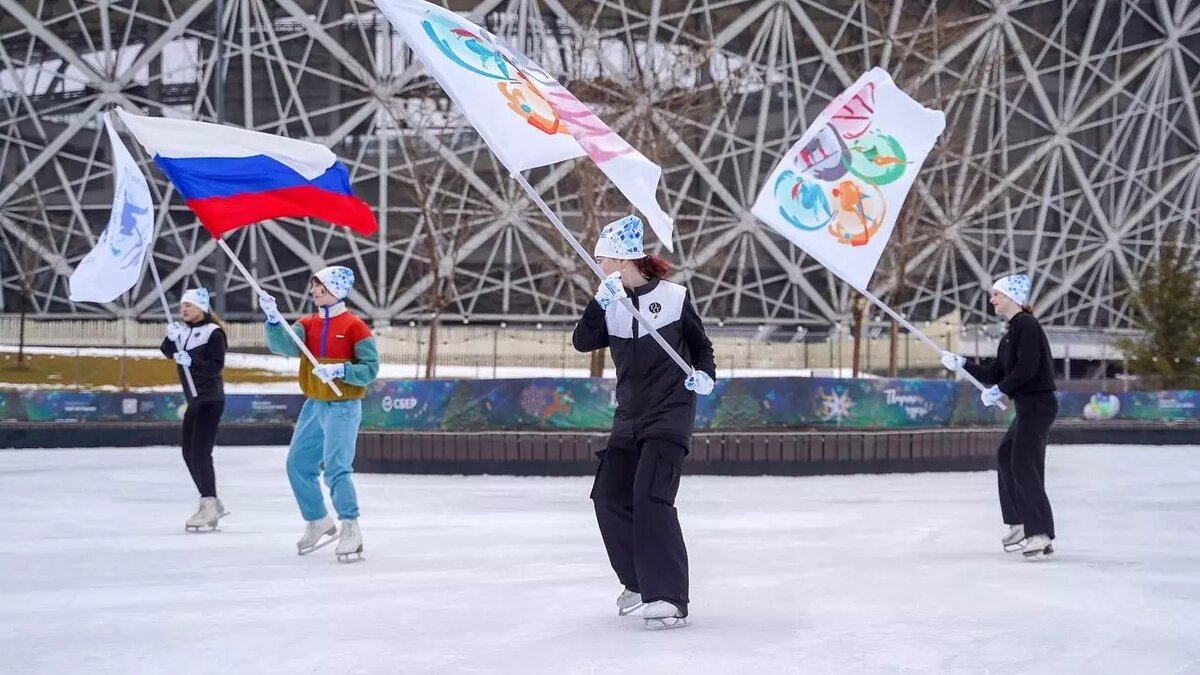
(638, 478)
(198, 345)
(1023, 370)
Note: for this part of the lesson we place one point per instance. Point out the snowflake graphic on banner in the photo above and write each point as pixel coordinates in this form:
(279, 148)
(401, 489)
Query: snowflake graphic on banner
(834, 405)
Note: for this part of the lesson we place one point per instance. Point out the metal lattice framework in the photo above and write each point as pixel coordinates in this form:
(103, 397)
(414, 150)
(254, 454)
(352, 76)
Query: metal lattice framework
(1071, 149)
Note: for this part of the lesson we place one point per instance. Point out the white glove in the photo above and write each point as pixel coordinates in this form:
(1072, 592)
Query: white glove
(699, 382)
(269, 307)
(991, 396)
(183, 358)
(174, 331)
(610, 291)
(328, 372)
(952, 362)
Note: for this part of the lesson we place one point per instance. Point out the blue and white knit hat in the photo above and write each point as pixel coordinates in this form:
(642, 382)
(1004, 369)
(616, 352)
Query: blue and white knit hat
(337, 279)
(1015, 286)
(621, 239)
(197, 297)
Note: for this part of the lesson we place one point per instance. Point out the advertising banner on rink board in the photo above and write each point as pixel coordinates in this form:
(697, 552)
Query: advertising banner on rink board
(588, 404)
(66, 406)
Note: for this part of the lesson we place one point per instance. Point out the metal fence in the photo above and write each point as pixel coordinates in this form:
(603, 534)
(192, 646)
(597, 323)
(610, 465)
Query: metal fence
(488, 348)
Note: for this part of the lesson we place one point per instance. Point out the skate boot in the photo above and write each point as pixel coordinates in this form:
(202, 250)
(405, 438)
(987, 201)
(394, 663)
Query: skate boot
(1038, 547)
(317, 534)
(221, 512)
(1015, 539)
(628, 602)
(350, 548)
(205, 517)
(661, 615)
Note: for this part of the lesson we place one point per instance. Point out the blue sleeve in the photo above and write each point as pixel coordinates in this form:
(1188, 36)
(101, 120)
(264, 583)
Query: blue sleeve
(365, 367)
(278, 341)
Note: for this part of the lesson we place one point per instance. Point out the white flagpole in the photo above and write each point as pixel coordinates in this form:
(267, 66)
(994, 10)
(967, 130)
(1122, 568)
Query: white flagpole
(258, 290)
(162, 293)
(562, 229)
(162, 296)
(924, 338)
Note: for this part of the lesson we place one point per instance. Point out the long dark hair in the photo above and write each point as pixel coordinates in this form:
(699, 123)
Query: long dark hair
(653, 267)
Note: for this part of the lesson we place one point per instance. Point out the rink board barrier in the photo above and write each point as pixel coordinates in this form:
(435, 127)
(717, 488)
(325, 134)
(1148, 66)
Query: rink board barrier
(554, 404)
(795, 453)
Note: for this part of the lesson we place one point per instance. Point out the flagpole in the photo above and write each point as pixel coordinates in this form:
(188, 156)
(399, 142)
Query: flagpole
(162, 296)
(562, 229)
(258, 291)
(924, 338)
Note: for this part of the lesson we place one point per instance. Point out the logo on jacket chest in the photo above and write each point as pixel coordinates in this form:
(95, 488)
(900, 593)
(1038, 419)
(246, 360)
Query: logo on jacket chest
(655, 308)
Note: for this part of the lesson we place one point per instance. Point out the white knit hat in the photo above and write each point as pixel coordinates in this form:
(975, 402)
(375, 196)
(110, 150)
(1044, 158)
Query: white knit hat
(621, 239)
(338, 280)
(1015, 286)
(197, 297)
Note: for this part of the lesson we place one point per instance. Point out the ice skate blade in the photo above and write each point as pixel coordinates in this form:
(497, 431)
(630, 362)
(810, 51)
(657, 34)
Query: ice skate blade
(1014, 548)
(630, 610)
(666, 623)
(330, 537)
(201, 529)
(350, 558)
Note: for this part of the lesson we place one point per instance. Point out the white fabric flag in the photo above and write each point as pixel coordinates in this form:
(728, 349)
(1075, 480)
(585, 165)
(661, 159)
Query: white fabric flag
(115, 264)
(837, 192)
(526, 117)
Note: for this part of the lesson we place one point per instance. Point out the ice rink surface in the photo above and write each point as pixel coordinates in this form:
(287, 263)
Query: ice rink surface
(848, 574)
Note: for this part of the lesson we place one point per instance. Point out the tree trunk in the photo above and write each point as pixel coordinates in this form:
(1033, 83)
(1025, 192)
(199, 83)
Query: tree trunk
(598, 362)
(896, 300)
(21, 329)
(431, 355)
(124, 352)
(857, 310)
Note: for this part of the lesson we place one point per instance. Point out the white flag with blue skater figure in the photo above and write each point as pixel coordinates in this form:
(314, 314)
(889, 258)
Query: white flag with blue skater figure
(839, 189)
(115, 264)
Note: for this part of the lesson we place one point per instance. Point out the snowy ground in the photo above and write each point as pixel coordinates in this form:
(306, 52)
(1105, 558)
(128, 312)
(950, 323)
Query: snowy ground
(850, 574)
(283, 364)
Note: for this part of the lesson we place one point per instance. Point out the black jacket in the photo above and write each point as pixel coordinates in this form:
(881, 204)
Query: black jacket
(651, 399)
(205, 343)
(1023, 363)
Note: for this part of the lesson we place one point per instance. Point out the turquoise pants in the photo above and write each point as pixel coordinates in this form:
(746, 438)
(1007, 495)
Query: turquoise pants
(325, 433)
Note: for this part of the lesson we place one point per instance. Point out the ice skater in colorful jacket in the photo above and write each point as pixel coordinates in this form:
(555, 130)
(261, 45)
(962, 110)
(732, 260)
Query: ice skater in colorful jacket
(327, 430)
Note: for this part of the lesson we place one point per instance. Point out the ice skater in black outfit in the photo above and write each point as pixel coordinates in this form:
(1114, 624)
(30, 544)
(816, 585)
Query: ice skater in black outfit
(638, 478)
(1023, 370)
(198, 345)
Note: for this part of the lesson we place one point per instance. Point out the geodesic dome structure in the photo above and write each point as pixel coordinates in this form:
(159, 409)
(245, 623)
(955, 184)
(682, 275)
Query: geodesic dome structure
(1071, 149)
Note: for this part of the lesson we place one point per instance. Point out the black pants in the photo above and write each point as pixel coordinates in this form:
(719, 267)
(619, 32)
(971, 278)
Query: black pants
(1022, 465)
(634, 495)
(200, 424)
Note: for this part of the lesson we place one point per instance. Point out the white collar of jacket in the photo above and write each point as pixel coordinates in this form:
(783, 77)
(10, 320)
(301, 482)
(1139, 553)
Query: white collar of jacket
(331, 311)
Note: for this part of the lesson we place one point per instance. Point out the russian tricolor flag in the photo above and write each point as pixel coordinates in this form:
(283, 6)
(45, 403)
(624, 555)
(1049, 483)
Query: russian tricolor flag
(232, 177)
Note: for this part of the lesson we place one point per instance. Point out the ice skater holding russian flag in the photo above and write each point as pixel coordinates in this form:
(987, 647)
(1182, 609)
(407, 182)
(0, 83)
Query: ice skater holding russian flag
(232, 177)
(327, 432)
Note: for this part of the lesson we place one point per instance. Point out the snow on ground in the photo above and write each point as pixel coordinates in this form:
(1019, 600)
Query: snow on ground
(283, 364)
(848, 574)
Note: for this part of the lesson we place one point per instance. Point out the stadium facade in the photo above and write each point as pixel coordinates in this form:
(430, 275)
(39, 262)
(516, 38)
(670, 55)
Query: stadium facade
(1071, 149)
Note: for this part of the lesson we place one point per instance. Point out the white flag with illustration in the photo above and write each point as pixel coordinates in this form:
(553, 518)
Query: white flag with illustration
(115, 264)
(526, 117)
(837, 192)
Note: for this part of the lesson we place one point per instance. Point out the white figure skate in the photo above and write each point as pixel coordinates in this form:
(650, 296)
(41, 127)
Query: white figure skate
(661, 615)
(350, 548)
(1038, 547)
(317, 534)
(628, 602)
(1015, 539)
(206, 517)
